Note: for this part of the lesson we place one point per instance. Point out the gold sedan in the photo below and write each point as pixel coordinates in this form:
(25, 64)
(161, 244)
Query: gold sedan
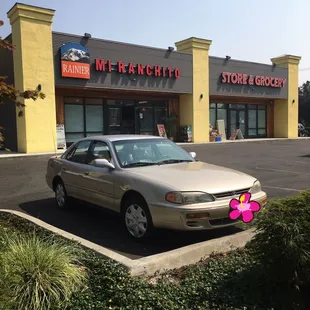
(150, 181)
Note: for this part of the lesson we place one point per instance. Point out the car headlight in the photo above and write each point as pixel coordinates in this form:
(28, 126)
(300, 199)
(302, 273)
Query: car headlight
(256, 188)
(188, 197)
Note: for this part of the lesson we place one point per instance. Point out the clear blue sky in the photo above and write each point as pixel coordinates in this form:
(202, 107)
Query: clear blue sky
(244, 29)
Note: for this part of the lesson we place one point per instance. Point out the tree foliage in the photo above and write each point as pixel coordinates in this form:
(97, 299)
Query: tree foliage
(9, 92)
(304, 103)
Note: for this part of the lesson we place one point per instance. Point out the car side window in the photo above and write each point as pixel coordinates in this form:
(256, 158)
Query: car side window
(79, 152)
(99, 150)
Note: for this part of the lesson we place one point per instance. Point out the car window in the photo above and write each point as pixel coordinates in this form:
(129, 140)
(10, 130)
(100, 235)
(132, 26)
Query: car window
(168, 150)
(79, 152)
(144, 152)
(99, 150)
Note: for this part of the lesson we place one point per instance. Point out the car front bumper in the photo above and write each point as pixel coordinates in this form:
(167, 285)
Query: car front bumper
(199, 216)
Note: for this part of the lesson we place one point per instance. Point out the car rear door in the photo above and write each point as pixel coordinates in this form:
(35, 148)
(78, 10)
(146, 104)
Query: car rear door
(73, 169)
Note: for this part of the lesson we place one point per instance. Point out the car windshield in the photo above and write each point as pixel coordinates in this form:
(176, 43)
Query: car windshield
(147, 152)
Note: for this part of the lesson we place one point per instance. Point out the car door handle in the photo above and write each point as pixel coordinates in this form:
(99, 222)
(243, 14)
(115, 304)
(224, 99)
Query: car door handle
(85, 173)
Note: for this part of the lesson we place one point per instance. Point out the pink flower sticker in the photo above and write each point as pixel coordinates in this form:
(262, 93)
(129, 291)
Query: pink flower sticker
(244, 207)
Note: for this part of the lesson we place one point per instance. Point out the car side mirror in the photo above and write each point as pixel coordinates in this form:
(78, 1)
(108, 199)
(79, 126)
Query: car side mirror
(103, 163)
(192, 154)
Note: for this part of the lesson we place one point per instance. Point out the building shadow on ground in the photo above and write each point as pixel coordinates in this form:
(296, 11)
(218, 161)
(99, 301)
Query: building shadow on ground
(105, 228)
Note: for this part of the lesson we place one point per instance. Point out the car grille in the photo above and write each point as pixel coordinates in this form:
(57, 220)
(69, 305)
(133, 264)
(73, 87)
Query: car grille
(232, 193)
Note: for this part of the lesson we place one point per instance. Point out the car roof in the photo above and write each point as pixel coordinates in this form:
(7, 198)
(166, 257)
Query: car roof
(114, 138)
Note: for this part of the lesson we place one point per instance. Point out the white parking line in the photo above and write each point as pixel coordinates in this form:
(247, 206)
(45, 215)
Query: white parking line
(276, 170)
(301, 162)
(285, 189)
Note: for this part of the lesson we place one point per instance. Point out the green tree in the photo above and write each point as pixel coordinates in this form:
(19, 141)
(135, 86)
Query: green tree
(304, 103)
(9, 92)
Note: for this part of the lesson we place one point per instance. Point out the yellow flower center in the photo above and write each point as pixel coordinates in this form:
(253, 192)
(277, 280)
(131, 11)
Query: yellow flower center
(242, 198)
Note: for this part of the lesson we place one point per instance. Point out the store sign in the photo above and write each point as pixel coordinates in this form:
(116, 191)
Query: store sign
(138, 69)
(258, 80)
(61, 137)
(75, 61)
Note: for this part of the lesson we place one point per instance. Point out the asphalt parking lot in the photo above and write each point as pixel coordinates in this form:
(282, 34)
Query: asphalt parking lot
(283, 167)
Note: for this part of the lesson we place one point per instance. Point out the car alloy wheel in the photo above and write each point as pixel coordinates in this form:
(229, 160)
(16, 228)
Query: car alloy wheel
(136, 221)
(60, 195)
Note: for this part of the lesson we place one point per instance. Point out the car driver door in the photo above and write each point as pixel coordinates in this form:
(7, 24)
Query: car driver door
(98, 182)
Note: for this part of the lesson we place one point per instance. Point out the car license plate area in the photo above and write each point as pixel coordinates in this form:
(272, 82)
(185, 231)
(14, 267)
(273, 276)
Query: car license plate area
(221, 222)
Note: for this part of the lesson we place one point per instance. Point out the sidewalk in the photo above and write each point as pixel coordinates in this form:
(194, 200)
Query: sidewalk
(244, 141)
(7, 154)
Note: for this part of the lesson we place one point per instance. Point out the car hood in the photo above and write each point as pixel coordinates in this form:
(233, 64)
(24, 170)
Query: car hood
(196, 176)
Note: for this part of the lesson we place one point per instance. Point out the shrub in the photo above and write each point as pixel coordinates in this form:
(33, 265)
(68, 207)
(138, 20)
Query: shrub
(38, 274)
(282, 247)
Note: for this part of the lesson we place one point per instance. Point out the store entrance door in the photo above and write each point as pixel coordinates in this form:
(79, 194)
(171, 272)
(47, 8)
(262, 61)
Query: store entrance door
(128, 120)
(236, 121)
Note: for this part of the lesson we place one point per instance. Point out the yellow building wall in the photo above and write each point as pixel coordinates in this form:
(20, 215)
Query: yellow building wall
(194, 110)
(34, 65)
(286, 111)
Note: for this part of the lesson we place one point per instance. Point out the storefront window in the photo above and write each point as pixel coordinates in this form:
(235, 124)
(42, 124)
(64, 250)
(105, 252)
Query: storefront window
(114, 117)
(261, 118)
(261, 132)
(85, 117)
(94, 118)
(222, 115)
(213, 117)
(72, 137)
(146, 120)
(218, 111)
(252, 121)
(160, 115)
(257, 120)
(74, 118)
(249, 118)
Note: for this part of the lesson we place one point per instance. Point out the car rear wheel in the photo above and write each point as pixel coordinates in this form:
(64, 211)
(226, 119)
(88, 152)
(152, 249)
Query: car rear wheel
(62, 200)
(138, 220)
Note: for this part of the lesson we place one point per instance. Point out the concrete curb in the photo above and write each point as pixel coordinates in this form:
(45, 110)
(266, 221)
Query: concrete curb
(158, 263)
(5, 155)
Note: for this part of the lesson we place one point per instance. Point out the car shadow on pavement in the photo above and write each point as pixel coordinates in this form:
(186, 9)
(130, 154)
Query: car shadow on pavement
(105, 228)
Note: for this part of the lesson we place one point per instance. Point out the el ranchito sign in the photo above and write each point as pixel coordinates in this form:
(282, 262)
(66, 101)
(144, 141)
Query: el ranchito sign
(75, 63)
(258, 80)
(139, 69)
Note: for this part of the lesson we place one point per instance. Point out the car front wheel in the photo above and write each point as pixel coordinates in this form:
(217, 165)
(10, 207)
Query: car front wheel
(138, 220)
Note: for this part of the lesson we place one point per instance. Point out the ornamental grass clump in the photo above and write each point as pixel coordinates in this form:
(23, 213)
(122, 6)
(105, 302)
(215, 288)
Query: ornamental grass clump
(38, 274)
(282, 247)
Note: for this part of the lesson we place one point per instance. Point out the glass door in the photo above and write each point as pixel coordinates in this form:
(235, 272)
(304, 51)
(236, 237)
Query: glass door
(237, 121)
(232, 121)
(114, 120)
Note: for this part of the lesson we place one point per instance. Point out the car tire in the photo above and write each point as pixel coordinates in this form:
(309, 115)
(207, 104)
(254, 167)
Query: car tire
(61, 197)
(137, 219)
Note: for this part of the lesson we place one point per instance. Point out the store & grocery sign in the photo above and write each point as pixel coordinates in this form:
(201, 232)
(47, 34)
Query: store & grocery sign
(258, 80)
(138, 69)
